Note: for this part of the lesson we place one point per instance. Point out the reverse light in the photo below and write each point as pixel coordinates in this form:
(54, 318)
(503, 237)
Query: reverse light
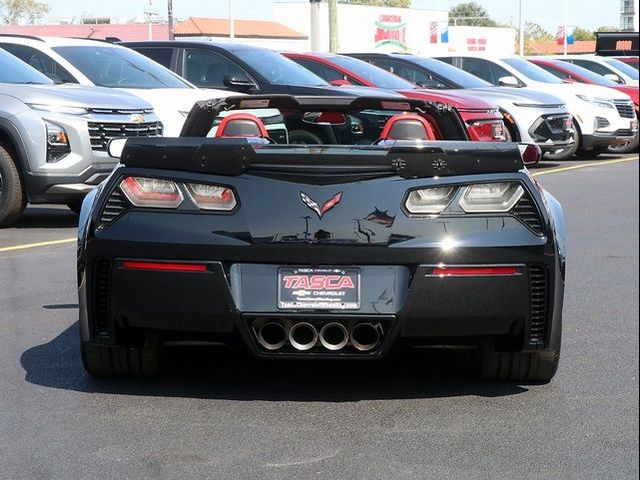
(57, 142)
(597, 101)
(211, 197)
(151, 192)
(429, 200)
(491, 197)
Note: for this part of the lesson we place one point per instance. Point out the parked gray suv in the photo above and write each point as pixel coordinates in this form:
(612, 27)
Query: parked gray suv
(53, 138)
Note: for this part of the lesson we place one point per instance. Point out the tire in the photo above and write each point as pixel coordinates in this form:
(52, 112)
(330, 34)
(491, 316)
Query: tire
(566, 153)
(120, 361)
(630, 147)
(303, 137)
(12, 196)
(529, 367)
(592, 153)
(75, 205)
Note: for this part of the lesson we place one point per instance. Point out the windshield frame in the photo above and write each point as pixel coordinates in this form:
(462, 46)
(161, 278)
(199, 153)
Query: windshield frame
(159, 76)
(532, 71)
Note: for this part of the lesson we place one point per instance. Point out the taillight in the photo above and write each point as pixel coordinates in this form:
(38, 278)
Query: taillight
(429, 200)
(491, 197)
(151, 192)
(531, 153)
(211, 197)
(487, 130)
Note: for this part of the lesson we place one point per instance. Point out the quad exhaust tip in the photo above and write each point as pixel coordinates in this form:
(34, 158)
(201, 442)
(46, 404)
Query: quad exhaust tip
(303, 336)
(334, 336)
(365, 337)
(272, 336)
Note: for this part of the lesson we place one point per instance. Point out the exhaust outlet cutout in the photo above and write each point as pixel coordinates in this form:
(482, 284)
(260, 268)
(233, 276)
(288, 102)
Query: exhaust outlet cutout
(303, 336)
(365, 337)
(272, 336)
(334, 336)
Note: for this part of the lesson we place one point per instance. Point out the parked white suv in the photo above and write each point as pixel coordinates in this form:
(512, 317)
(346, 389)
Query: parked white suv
(104, 64)
(603, 116)
(608, 67)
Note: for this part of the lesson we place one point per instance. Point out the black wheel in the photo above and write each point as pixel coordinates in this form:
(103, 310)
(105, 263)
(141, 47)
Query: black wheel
(12, 197)
(530, 367)
(120, 361)
(570, 151)
(592, 153)
(303, 137)
(75, 205)
(630, 147)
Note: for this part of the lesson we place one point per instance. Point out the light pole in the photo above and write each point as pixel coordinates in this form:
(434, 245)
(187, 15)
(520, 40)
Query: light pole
(314, 5)
(170, 19)
(521, 28)
(232, 23)
(566, 14)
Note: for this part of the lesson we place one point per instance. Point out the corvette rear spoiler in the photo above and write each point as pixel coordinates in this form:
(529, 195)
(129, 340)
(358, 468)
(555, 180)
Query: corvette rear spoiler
(226, 156)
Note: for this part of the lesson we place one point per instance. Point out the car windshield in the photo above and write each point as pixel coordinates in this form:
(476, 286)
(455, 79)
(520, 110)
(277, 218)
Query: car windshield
(279, 70)
(592, 77)
(531, 71)
(119, 67)
(623, 67)
(15, 71)
(461, 78)
(378, 77)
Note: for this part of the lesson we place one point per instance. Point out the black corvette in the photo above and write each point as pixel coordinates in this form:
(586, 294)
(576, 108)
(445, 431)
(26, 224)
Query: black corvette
(341, 251)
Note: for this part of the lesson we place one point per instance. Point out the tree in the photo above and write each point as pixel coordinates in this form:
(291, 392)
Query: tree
(580, 34)
(381, 3)
(471, 14)
(607, 28)
(533, 31)
(13, 11)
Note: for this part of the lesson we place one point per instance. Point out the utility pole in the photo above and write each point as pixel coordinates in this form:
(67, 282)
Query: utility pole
(521, 30)
(232, 23)
(314, 5)
(333, 26)
(149, 13)
(566, 32)
(170, 19)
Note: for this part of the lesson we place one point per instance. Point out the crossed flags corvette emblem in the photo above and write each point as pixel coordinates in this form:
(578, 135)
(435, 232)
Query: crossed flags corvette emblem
(326, 206)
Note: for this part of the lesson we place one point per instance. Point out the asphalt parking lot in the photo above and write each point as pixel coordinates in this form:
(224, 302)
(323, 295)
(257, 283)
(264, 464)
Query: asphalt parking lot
(419, 416)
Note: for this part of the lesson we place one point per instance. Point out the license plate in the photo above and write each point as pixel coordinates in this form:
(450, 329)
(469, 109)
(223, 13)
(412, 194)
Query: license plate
(319, 288)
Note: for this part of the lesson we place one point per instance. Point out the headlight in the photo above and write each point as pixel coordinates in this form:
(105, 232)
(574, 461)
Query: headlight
(211, 197)
(57, 142)
(429, 200)
(491, 197)
(597, 101)
(58, 109)
(151, 192)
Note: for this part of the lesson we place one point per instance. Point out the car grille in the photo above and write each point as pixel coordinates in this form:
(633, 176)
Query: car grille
(527, 212)
(116, 204)
(625, 108)
(101, 132)
(101, 296)
(538, 304)
(601, 123)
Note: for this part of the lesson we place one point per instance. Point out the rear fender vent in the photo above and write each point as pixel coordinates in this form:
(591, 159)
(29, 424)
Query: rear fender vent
(538, 304)
(101, 297)
(527, 212)
(115, 206)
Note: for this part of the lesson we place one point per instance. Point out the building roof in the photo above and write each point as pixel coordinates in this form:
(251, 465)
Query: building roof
(551, 47)
(219, 27)
(125, 31)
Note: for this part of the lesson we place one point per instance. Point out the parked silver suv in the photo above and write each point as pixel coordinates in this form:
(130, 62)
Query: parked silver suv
(53, 139)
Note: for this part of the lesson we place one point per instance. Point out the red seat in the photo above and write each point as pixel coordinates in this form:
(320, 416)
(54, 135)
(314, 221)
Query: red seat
(407, 126)
(242, 125)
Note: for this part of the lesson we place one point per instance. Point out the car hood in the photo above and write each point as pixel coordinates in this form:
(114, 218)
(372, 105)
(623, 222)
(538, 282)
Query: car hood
(178, 99)
(631, 91)
(500, 95)
(75, 96)
(590, 91)
(462, 101)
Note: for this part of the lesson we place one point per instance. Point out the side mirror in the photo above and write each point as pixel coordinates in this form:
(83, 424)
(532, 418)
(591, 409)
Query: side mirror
(613, 77)
(239, 82)
(116, 146)
(340, 82)
(508, 81)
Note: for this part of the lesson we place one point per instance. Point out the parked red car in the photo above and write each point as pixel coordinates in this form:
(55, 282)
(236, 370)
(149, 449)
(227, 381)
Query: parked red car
(483, 120)
(570, 72)
(633, 61)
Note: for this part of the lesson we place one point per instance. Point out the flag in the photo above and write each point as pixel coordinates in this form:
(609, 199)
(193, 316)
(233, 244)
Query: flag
(561, 33)
(439, 32)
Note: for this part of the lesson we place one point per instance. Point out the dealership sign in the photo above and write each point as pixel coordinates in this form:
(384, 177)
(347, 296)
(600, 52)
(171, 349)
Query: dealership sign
(390, 30)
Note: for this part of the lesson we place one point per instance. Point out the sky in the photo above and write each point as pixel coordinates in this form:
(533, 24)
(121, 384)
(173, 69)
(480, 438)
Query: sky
(549, 13)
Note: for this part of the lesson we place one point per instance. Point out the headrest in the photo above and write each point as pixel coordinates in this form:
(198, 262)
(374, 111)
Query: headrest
(407, 126)
(243, 125)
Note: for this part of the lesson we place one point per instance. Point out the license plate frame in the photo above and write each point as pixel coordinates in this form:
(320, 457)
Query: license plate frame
(319, 288)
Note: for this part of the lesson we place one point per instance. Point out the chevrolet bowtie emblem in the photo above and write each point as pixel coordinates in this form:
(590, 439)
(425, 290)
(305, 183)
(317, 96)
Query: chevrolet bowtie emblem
(137, 118)
(326, 206)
